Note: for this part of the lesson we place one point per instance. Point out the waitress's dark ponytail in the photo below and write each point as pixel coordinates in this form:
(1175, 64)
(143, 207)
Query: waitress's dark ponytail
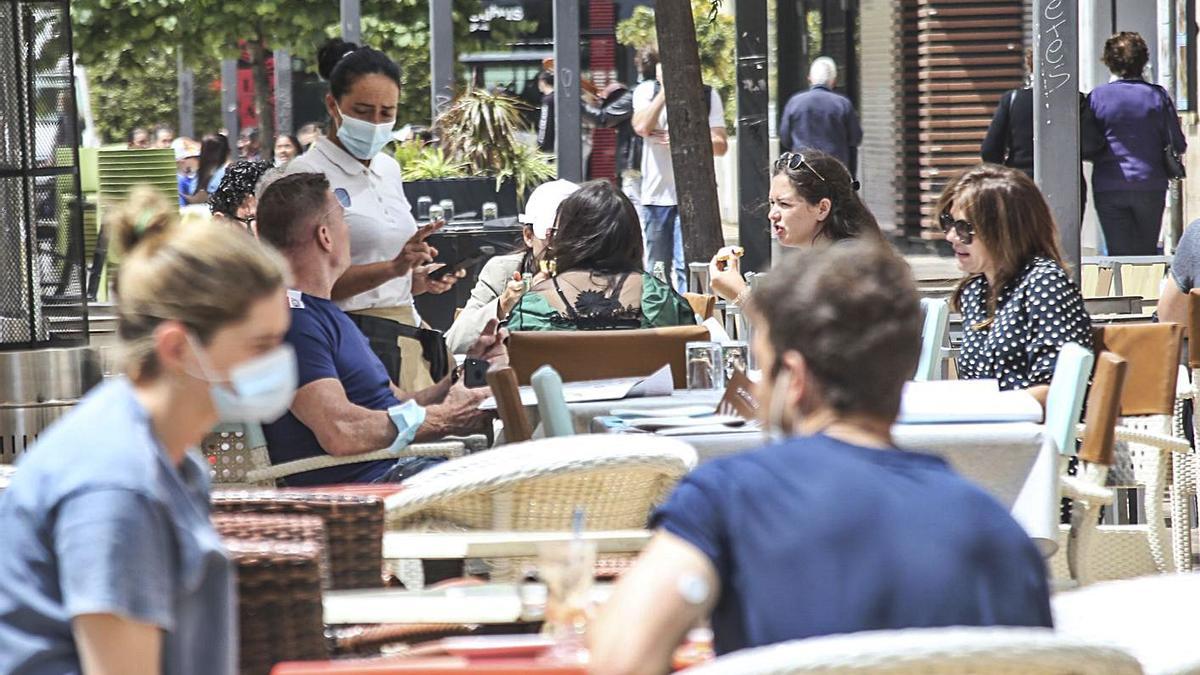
(341, 63)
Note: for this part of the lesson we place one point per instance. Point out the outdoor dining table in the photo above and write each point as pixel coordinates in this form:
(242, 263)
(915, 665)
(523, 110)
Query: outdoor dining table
(438, 665)
(484, 603)
(1015, 462)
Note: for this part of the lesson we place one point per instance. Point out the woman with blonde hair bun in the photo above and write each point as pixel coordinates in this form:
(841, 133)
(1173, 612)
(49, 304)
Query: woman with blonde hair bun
(110, 563)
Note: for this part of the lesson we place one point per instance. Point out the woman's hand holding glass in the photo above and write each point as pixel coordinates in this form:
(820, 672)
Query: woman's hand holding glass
(515, 290)
(725, 274)
(416, 251)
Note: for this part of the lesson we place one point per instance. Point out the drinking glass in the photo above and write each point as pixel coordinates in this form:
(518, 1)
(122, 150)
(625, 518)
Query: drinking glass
(447, 208)
(705, 368)
(423, 204)
(567, 568)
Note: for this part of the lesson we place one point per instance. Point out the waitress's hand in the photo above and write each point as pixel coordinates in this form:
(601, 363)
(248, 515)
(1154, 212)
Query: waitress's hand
(421, 283)
(415, 251)
(725, 274)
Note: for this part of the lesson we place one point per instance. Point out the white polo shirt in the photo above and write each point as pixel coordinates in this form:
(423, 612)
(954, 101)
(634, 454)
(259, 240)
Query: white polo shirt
(379, 217)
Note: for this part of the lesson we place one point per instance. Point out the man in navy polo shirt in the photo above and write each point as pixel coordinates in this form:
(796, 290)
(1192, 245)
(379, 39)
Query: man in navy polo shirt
(346, 404)
(831, 529)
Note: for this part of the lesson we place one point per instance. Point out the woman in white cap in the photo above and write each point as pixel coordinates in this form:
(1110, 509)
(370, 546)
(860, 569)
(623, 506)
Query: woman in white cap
(505, 278)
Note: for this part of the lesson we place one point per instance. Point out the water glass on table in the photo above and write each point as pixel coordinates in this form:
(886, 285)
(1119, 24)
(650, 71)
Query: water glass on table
(705, 366)
(567, 568)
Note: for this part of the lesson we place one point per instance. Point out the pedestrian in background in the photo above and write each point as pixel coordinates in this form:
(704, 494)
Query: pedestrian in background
(1140, 125)
(820, 118)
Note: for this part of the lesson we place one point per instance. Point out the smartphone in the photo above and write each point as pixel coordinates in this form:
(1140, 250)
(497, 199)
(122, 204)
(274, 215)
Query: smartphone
(484, 253)
(475, 373)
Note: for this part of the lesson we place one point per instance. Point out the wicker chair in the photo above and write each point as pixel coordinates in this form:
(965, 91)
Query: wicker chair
(1185, 469)
(237, 456)
(703, 305)
(931, 651)
(1144, 447)
(538, 485)
(503, 382)
(1087, 487)
(933, 338)
(1161, 609)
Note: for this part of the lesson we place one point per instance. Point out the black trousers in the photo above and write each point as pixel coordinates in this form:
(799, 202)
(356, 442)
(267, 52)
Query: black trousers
(1131, 220)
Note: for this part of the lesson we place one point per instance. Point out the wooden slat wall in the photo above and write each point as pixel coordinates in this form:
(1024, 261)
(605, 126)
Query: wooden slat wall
(959, 57)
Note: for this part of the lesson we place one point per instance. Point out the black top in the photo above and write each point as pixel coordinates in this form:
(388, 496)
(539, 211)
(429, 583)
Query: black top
(545, 128)
(1037, 313)
(1009, 138)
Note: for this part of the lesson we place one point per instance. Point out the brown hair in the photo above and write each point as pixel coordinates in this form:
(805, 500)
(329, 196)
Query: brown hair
(849, 217)
(1126, 54)
(288, 206)
(598, 230)
(852, 311)
(204, 275)
(1011, 218)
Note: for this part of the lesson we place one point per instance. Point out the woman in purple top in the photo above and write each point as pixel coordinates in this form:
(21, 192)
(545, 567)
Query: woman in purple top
(1129, 178)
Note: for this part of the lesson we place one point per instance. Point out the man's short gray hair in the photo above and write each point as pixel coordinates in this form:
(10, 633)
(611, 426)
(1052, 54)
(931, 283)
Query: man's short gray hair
(823, 71)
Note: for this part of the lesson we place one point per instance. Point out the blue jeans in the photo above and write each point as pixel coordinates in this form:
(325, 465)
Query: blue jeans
(663, 238)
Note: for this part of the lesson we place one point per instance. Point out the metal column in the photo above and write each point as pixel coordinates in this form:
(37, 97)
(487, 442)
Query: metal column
(1168, 63)
(568, 129)
(753, 142)
(351, 13)
(229, 101)
(1056, 117)
(284, 122)
(187, 97)
(441, 54)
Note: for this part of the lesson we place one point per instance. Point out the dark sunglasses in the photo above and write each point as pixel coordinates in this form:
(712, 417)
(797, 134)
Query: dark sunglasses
(248, 221)
(964, 230)
(793, 161)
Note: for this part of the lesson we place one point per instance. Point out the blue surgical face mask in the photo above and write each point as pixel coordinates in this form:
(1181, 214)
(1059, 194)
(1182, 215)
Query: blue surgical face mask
(259, 390)
(776, 430)
(361, 138)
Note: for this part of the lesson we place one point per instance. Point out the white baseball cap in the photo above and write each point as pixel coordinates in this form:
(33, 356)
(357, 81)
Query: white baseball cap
(542, 206)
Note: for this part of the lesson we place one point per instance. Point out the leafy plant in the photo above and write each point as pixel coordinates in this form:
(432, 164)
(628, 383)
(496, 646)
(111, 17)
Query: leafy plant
(429, 163)
(717, 38)
(481, 129)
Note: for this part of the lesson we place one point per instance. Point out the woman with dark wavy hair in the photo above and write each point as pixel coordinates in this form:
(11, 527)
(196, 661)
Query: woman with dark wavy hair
(596, 278)
(814, 201)
(1129, 177)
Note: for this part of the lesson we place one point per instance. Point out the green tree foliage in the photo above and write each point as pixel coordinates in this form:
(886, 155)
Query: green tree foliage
(716, 36)
(132, 36)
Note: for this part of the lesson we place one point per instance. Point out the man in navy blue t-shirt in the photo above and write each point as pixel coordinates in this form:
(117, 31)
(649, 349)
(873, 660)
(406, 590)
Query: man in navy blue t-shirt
(833, 530)
(346, 404)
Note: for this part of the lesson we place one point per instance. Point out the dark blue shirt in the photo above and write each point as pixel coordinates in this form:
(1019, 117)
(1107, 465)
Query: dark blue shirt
(822, 120)
(1138, 121)
(815, 536)
(329, 345)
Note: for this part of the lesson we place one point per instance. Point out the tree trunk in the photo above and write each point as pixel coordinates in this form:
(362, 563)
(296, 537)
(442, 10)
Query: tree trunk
(691, 140)
(262, 97)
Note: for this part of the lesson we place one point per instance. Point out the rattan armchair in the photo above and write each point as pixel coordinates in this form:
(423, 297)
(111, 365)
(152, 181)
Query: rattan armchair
(538, 485)
(931, 651)
(1145, 449)
(237, 456)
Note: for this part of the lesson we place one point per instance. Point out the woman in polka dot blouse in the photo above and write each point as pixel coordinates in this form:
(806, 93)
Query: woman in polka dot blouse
(1019, 305)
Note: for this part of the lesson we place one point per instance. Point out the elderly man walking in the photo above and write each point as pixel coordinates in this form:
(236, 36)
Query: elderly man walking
(821, 119)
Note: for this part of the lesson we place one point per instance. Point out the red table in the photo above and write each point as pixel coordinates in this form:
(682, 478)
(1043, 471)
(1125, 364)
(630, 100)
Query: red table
(441, 665)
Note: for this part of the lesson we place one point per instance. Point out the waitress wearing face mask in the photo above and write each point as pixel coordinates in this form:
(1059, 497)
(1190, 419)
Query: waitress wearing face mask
(377, 291)
(109, 563)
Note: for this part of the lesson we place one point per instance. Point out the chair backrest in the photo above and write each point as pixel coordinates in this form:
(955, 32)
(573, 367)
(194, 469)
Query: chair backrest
(1113, 304)
(1152, 350)
(503, 382)
(537, 485)
(703, 305)
(601, 354)
(552, 404)
(933, 337)
(931, 651)
(1103, 408)
(1064, 402)
(1194, 328)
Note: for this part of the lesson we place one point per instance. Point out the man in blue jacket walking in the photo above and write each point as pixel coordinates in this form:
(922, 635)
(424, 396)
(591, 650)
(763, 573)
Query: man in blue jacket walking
(821, 119)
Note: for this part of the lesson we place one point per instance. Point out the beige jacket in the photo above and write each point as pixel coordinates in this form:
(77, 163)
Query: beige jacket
(484, 302)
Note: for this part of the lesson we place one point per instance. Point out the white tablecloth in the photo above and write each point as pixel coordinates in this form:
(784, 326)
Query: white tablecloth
(1017, 463)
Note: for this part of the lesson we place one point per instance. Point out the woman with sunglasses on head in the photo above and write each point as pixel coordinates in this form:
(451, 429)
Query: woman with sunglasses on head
(814, 201)
(1018, 302)
(377, 290)
(109, 563)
